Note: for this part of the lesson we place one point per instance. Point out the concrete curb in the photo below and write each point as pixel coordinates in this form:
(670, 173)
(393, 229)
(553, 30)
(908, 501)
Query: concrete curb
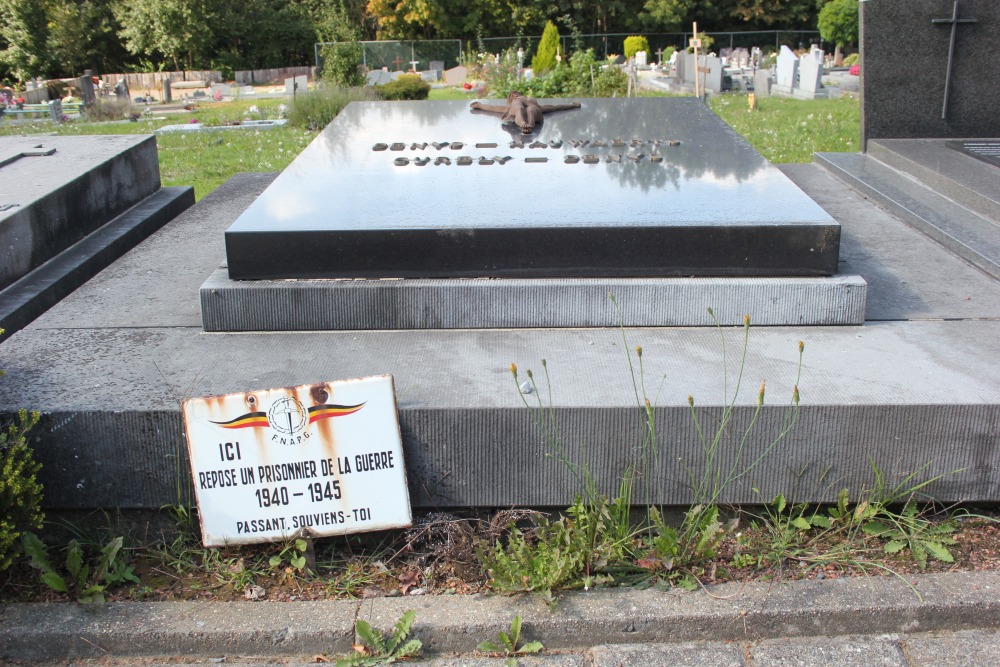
(456, 624)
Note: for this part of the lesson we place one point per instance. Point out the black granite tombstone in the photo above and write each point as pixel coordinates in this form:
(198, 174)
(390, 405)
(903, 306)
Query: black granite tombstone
(929, 70)
(634, 187)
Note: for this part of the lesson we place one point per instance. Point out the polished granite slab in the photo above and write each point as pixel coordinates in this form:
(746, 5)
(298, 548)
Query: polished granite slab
(431, 189)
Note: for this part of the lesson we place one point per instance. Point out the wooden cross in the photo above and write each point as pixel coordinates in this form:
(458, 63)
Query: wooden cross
(695, 43)
(953, 21)
(397, 62)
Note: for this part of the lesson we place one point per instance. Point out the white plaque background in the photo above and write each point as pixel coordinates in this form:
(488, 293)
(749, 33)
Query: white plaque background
(293, 432)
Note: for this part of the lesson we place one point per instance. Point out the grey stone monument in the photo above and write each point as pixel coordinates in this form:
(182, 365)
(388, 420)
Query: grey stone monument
(810, 76)
(950, 49)
(787, 73)
(68, 204)
(762, 82)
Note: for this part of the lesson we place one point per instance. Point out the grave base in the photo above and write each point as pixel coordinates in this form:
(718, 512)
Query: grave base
(320, 305)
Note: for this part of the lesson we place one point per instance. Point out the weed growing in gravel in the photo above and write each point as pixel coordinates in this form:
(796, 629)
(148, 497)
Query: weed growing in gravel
(379, 649)
(595, 535)
(508, 644)
(886, 519)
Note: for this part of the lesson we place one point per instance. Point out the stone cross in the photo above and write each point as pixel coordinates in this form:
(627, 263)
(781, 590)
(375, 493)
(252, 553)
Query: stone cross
(953, 21)
(659, 57)
(18, 153)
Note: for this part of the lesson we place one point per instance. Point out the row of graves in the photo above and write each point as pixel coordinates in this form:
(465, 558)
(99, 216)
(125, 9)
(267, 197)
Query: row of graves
(799, 76)
(318, 352)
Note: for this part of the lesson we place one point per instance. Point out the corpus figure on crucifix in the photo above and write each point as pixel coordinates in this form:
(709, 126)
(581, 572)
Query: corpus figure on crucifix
(525, 112)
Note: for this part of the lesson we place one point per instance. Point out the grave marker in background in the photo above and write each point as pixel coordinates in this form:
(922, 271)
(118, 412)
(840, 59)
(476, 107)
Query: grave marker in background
(787, 72)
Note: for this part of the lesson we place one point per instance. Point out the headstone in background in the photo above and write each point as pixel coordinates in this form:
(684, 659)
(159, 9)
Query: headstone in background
(55, 111)
(713, 77)
(301, 83)
(167, 97)
(220, 89)
(289, 86)
(378, 77)
(740, 57)
(640, 59)
(86, 85)
(456, 76)
(681, 67)
(436, 64)
(810, 76)
(762, 82)
(787, 72)
(430, 76)
(901, 44)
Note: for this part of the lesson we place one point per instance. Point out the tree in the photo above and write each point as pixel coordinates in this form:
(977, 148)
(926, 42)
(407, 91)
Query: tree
(675, 15)
(548, 47)
(178, 30)
(257, 34)
(838, 23)
(784, 13)
(634, 44)
(26, 32)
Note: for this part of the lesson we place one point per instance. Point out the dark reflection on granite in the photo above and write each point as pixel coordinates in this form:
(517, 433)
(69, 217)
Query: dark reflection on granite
(400, 189)
(340, 182)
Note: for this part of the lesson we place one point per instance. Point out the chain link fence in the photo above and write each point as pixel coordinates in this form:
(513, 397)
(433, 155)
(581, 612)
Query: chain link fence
(605, 45)
(418, 55)
(403, 55)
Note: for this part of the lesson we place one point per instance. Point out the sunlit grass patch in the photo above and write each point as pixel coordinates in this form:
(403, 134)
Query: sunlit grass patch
(788, 130)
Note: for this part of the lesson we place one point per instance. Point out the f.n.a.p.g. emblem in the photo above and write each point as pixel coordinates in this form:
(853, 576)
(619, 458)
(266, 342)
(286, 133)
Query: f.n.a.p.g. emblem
(287, 415)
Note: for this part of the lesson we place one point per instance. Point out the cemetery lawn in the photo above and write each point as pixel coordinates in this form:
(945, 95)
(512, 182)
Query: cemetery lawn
(783, 130)
(788, 130)
(202, 159)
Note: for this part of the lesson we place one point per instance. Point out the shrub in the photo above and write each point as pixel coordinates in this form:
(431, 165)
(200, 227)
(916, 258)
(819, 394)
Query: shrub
(406, 87)
(317, 109)
(545, 58)
(20, 492)
(111, 108)
(342, 64)
(584, 77)
(706, 44)
(853, 59)
(838, 22)
(635, 44)
(500, 74)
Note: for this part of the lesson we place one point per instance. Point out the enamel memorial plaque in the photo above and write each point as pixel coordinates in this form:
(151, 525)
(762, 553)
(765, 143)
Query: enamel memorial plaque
(318, 460)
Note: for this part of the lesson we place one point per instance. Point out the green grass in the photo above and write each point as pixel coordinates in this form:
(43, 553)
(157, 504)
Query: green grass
(451, 94)
(783, 130)
(204, 160)
(787, 130)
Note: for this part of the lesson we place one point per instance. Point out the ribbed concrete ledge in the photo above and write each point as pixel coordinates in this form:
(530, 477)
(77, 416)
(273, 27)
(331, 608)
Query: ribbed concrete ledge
(959, 177)
(111, 435)
(456, 624)
(320, 305)
(969, 235)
